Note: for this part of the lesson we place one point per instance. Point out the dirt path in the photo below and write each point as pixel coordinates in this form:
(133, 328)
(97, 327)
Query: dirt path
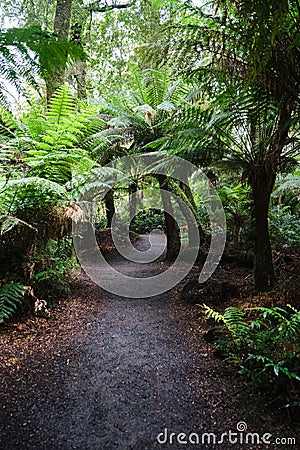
(107, 373)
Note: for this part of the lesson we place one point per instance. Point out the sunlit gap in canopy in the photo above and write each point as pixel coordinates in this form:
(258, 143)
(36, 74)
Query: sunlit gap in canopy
(200, 3)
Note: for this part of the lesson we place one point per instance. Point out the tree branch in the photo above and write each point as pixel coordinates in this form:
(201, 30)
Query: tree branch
(96, 7)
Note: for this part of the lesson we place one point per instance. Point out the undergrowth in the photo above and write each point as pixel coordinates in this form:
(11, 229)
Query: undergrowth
(262, 342)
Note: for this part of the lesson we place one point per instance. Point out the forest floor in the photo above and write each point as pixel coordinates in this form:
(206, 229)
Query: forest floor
(104, 372)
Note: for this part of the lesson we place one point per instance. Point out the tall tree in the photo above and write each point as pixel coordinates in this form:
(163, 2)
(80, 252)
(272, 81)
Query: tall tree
(80, 64)
(62, 22)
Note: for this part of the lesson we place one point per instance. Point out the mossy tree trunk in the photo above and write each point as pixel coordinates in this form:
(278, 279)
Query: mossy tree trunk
(192, 234)
(132, 190)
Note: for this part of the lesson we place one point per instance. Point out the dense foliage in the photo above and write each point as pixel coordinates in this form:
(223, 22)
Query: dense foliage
(262, 342)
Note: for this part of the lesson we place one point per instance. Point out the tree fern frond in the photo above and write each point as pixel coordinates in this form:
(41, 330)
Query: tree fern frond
(43, 184)
(61, 105)
(95, 183)
(26, 52)
(290, 183)
(57, 166)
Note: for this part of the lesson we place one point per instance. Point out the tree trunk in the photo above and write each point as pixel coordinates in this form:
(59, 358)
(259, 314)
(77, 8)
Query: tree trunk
(262, 179)
(80, 77)
(172, 229)
(62, 20)
(80, 64)
(132, 198)
(264, 275)
(110, 207)
(191, 232)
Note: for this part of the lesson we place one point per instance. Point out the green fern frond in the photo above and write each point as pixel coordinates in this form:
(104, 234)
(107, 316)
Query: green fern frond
(212, 314)
(233, 318)
(94, 183)
(47, 187)
(294, 309)
(26, 52)
(62, 104)
(11, 295)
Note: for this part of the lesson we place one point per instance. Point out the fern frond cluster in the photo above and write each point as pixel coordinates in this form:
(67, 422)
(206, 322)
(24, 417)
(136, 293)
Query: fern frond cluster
(52, 145)
(140, 118)
(265, 345)
(27, 52)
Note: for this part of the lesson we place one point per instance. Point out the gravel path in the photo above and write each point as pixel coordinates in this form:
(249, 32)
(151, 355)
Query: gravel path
(112, 373)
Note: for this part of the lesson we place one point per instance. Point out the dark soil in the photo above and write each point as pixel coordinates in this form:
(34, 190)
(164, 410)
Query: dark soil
(105, 372)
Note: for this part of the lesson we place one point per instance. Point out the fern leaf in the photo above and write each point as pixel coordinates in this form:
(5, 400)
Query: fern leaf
(62, 104)
(11, 295)
(210, 313)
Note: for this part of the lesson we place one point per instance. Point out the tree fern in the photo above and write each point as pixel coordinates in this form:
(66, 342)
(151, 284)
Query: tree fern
(142, 116)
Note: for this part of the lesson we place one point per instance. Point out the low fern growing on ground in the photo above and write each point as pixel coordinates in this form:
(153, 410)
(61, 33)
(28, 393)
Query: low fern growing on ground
(264, 342)
(11, 294)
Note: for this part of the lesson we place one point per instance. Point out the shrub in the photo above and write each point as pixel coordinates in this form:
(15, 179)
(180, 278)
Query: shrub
(52, 267)
(264, 342)
(147, 220)
(284, 227)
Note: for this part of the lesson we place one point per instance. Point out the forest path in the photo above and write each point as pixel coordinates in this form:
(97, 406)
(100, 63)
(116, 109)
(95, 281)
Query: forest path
(106, 373)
